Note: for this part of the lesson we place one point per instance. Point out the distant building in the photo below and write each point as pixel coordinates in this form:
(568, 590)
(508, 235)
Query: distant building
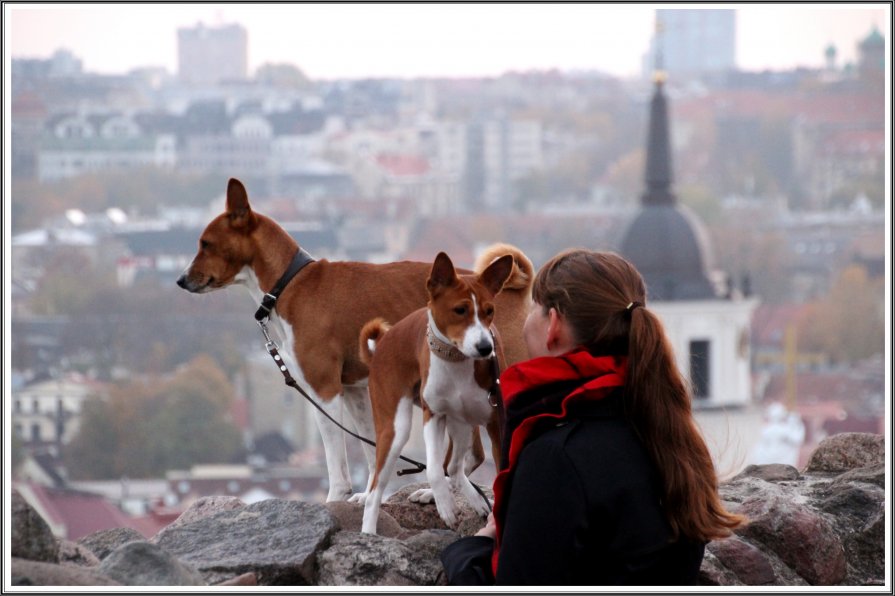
(872, 56)
(694, 42)
(47, 413)
(498, 152)
(209, 55)
(75, 144)
(708, 325)
(249, 484)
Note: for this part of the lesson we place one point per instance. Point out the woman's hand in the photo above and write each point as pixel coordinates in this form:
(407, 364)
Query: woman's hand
(490, 529)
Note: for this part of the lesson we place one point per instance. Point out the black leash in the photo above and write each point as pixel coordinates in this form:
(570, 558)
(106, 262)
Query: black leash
(268, 303)
(291, 382)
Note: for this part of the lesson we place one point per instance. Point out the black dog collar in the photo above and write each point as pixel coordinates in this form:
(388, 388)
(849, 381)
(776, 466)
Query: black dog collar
(299, 261)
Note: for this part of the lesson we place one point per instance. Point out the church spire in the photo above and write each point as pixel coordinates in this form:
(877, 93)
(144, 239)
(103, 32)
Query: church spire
(658, 146)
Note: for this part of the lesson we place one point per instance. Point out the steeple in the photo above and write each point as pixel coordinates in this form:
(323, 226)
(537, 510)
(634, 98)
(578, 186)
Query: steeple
(658, 146)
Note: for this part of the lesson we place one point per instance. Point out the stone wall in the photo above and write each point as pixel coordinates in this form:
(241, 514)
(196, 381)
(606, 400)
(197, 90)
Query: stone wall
(823, 525)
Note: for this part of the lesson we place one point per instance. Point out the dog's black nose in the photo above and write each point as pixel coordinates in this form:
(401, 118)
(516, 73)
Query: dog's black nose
(484, 348)
(181, 281)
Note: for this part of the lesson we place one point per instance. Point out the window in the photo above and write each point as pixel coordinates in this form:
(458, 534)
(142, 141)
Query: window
(700, 367)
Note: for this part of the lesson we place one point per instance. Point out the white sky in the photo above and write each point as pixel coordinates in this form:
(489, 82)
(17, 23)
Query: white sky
(356, 40)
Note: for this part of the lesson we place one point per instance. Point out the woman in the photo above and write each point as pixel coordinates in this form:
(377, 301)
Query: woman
(605, 478)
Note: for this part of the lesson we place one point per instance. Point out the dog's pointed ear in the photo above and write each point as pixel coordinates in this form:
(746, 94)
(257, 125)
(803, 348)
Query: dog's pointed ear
(442, 274)
(497, 273)
(238, 209)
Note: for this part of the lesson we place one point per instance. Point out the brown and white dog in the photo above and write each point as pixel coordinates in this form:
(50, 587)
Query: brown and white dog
(327, 304)
(439, 356)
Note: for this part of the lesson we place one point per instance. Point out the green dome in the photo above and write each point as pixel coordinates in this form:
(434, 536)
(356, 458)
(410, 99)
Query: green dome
(874, 39)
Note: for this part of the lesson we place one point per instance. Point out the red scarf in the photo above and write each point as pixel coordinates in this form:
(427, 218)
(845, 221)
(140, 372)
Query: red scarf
(598, 375)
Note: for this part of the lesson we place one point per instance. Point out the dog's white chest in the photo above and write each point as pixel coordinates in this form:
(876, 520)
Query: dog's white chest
(451, 390)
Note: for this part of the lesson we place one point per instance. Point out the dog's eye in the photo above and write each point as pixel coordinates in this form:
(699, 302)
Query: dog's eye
(460, 310)
(204, 244)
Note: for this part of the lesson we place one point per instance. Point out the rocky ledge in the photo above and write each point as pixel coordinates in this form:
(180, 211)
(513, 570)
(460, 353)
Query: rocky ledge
(823, 525)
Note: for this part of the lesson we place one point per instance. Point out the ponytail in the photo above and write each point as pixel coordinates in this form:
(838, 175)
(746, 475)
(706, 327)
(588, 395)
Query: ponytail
(659, 408)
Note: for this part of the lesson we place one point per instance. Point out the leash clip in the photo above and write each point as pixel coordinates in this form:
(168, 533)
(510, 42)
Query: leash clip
(270, 343)
(268, 302)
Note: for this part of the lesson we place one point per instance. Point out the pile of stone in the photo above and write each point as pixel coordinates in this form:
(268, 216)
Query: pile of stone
(824, 525)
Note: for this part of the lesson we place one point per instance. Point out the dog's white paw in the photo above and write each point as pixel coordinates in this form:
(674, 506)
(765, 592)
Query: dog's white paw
(448, 513)
(359, 498)
(423, 495)
(338, 495)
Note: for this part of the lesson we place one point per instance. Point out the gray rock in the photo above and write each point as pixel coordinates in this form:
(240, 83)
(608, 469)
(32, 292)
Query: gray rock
(869, 475)
(356, 559)
(72, 553)
(797, 534)
(200, 508)
(31, 536)
(770, 472)
(417, 516)
(858, 514)
(847, 451)
(713, 573)
(277, 539)
(103, 542)
(351, 518)
(748, 564)
(38, 573)
(145, 564)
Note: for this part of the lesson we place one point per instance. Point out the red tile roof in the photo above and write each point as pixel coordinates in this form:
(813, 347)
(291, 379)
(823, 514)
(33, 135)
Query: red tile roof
(84, 513)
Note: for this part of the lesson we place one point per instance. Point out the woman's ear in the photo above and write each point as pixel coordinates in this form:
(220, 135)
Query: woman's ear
(560, 337)
(554, 329)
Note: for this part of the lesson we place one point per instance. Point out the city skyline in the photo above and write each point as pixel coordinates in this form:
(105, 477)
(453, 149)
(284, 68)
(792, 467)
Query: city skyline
(433, 40)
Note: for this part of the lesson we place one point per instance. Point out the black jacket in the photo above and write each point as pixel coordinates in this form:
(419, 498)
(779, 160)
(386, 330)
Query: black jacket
(584, 510)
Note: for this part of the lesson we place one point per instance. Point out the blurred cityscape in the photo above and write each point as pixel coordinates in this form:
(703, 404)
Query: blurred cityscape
(131, 398)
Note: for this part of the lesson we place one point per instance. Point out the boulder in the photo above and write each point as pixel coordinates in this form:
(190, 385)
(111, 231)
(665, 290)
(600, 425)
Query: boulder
(103, 542)
(31, 536)
(357, 559)
(72, 553)
(423, 516)
(847, 451)
(145, 564)
(39, 573)
(277, 539)
(201, 508)
(351, 518)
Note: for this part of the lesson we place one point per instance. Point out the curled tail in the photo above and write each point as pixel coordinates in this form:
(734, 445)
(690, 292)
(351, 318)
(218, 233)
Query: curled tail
(520, 278)
(370, 334)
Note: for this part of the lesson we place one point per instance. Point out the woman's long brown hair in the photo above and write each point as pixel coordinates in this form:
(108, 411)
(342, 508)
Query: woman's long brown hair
(603, 298)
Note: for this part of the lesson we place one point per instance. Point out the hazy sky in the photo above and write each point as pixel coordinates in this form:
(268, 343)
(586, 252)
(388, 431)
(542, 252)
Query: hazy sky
(342, 40)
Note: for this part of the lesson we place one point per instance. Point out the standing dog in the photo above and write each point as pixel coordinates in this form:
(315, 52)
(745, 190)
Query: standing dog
(441, 356)
(321, 311)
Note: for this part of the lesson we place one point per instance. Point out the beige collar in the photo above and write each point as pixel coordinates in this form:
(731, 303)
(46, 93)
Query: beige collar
(442, 349)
